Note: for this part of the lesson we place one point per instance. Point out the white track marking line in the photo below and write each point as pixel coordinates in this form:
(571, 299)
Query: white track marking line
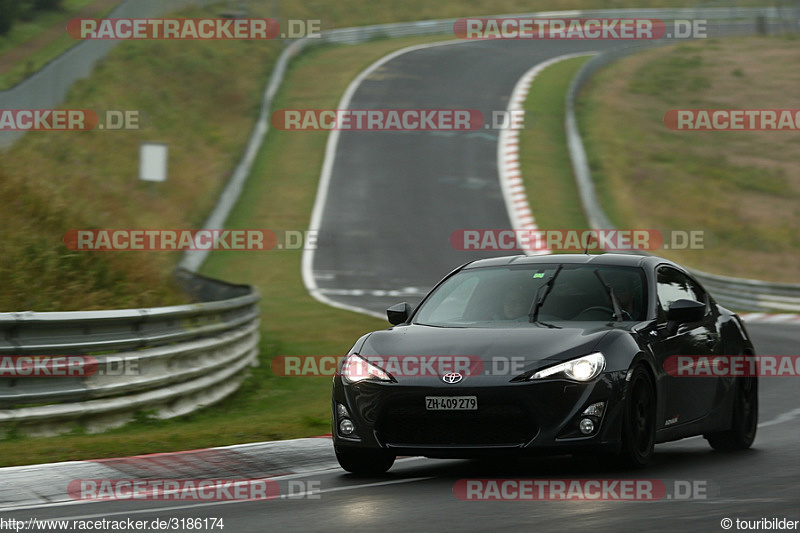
(519, 211)
(325, 178)
(771, 318)
(782, 418)
(153, 510)
(788, 416)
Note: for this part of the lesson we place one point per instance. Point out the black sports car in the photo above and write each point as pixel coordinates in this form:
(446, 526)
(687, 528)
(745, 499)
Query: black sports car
(548, 354)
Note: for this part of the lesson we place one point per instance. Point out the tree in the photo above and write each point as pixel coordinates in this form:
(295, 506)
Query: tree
(49, 5)
(8, 13)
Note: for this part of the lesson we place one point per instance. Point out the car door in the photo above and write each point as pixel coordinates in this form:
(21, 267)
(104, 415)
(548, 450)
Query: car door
(687, 398)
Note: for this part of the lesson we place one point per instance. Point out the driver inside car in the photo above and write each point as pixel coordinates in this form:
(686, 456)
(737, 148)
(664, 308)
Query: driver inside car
(625, 298)
(515, 306)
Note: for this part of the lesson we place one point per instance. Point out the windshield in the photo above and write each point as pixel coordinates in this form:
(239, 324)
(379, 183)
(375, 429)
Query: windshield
(505, 296)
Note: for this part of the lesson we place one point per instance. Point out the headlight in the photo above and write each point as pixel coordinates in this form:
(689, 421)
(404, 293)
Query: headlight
(584, 368)
(355, 368)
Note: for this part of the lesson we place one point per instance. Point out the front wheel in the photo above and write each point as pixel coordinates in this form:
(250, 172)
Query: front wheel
(639, 422)
(744, 419)
(365, 462)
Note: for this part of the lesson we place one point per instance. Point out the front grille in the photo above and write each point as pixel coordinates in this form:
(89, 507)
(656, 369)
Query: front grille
(493, 425)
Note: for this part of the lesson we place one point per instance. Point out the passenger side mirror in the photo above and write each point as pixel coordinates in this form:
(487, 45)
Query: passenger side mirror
(683, 311)
(398, 313)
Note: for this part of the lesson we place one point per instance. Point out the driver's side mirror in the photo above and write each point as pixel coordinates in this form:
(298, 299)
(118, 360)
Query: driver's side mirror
(684, 311)
(398, 313)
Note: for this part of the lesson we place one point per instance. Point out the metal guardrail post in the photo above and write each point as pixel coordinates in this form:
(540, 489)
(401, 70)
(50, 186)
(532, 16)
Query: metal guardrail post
(164, 360)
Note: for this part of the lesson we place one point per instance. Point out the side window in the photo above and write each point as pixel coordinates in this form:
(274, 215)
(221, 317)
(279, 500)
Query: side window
(674, 285)
(697, 290)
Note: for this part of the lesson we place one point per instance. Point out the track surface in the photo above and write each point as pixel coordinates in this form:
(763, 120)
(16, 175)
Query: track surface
(417, 493)
(395, 197)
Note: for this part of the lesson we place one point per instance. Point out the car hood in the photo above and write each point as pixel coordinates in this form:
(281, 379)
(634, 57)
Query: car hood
(531, 346)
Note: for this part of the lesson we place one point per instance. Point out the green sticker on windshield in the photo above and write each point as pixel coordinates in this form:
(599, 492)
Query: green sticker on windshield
(539, 275)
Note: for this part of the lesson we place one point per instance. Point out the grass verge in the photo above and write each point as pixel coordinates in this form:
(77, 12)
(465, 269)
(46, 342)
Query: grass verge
(24, 30)
(35, 42)
(544, 159)
(54, 181)
(742, 187)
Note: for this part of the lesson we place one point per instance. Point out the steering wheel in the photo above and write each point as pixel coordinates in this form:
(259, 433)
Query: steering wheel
(606, 310)
(595, 308)
(598, 307)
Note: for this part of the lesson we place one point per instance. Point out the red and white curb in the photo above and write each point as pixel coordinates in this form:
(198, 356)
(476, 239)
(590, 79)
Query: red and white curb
(771, 318)
(519, 211)
(46, 485)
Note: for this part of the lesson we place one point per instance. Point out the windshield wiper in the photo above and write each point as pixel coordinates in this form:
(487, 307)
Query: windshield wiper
(610, 290)
(533, 314)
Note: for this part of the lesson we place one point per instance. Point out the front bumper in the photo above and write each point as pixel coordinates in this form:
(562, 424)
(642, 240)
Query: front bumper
(526, 417)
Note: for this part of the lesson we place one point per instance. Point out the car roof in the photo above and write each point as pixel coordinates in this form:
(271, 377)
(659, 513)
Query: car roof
(630, 260)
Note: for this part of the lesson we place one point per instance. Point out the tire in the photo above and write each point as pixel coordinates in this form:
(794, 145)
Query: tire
(744, 419)
(639, 422)
(365, 462)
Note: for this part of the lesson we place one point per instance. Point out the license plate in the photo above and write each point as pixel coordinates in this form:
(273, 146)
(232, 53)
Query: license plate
(451, 403)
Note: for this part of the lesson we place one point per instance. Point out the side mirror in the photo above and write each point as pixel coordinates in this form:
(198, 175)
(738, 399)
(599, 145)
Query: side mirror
(398, 313)
(683, 311)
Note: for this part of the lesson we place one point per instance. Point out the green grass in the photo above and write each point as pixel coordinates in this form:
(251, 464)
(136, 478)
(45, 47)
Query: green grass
(35, 61)
(24, 31)
(742, 187)
(668, 78)
(53, 182)
(544, 159)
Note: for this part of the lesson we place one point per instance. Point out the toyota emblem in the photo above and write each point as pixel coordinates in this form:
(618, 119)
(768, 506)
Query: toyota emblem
(452, 378)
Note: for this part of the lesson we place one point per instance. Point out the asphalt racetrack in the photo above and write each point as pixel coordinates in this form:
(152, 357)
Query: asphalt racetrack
(395, 198)
(417, 493)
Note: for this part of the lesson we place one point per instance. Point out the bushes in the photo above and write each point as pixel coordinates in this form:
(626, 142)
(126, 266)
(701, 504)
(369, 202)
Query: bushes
(12, 10)
(8, 13)
(48, 5)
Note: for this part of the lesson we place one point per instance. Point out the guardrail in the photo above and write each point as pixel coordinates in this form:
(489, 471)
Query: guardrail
(738, 293)
(442, 26)
(164, 362)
